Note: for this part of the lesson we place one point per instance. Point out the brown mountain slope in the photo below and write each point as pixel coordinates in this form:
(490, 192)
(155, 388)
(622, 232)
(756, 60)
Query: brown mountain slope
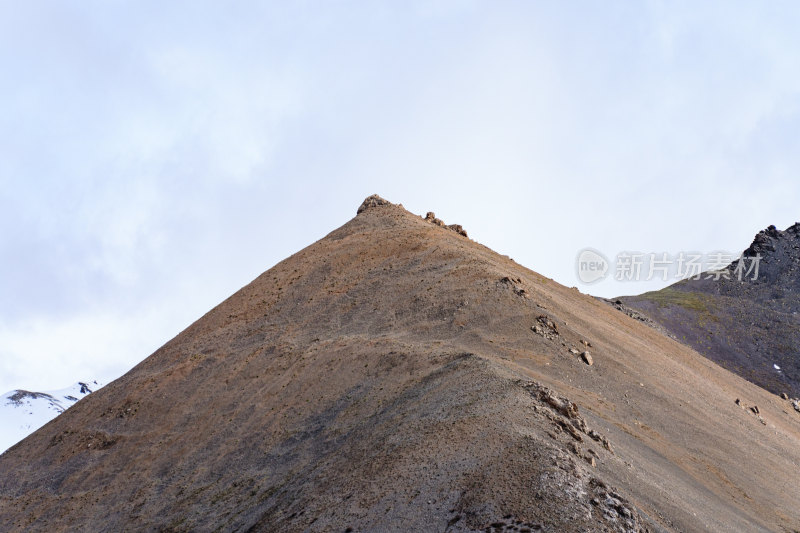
(396, 376)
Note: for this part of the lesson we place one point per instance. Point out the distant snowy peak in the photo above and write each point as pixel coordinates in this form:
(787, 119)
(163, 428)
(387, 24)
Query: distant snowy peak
(22, 412)
(59, 400)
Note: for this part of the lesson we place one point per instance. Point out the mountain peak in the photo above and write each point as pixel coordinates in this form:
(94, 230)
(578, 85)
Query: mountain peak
(372, 201)
(766, 240)
(779, 257)
(395, 375)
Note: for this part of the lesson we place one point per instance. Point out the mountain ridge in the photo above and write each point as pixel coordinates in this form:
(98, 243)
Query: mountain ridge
(396, 375)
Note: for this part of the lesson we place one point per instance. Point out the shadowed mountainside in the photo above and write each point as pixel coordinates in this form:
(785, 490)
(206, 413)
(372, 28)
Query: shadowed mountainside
(397, 376)
(748, 326)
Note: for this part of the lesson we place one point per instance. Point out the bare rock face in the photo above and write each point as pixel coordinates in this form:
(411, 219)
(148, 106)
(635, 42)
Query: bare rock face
(764, 241)
(370, 202)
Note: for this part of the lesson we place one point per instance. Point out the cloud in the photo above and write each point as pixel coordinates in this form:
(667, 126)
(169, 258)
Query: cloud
(43, 354)
(156, 157)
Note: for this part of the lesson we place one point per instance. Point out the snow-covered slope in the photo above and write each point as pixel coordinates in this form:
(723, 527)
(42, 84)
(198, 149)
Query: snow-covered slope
(23, 412)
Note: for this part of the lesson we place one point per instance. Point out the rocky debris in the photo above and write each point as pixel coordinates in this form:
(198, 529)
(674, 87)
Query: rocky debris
(620, 306)
(565, 415)
(584, 355)
(754, 410)
(545, 327)
(616, 510)
(784, 396)
(74, 441)
(431, 217)
(796, 405)
(586, 343)
(562, 405)
(376, 201)
(591, 496)
(128, 409)
(601, 439)
(576, 448)
(565, 480)
(514, 284)
(509, 523)
(458, 228)
(372, 201)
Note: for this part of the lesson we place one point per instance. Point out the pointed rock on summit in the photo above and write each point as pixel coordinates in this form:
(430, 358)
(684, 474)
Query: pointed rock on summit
(372, 201)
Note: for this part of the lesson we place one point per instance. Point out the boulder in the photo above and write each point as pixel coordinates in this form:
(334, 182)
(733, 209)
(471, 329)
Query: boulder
(430, 216)
(458, 229)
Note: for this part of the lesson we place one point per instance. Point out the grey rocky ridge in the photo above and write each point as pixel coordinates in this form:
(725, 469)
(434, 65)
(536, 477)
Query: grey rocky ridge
(398, 376)
(746, 318)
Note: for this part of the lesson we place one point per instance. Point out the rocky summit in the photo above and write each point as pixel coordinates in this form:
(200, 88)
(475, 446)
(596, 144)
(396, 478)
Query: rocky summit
(744, 317)
(398, 376)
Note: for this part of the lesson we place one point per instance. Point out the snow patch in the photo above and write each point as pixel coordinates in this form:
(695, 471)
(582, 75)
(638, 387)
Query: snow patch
(23, 412)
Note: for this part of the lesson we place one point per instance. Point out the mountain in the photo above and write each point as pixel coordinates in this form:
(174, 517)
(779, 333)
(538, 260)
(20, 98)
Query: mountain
(751, 325)
(23, 412)
(398, 376)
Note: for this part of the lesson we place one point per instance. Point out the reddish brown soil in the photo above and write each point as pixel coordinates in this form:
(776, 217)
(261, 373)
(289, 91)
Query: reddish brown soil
(387, 378)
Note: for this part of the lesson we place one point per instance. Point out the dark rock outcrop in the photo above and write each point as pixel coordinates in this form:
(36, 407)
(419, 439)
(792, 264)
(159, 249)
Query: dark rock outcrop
(747, 319)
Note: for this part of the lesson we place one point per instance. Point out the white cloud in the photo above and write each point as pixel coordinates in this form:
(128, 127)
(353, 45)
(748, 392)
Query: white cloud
(155, 157)
(45, 353)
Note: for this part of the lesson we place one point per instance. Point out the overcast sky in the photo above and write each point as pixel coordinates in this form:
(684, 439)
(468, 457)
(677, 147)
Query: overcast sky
(157, 156)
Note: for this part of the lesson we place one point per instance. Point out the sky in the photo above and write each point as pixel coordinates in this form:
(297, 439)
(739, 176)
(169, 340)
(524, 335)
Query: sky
(157, 156)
